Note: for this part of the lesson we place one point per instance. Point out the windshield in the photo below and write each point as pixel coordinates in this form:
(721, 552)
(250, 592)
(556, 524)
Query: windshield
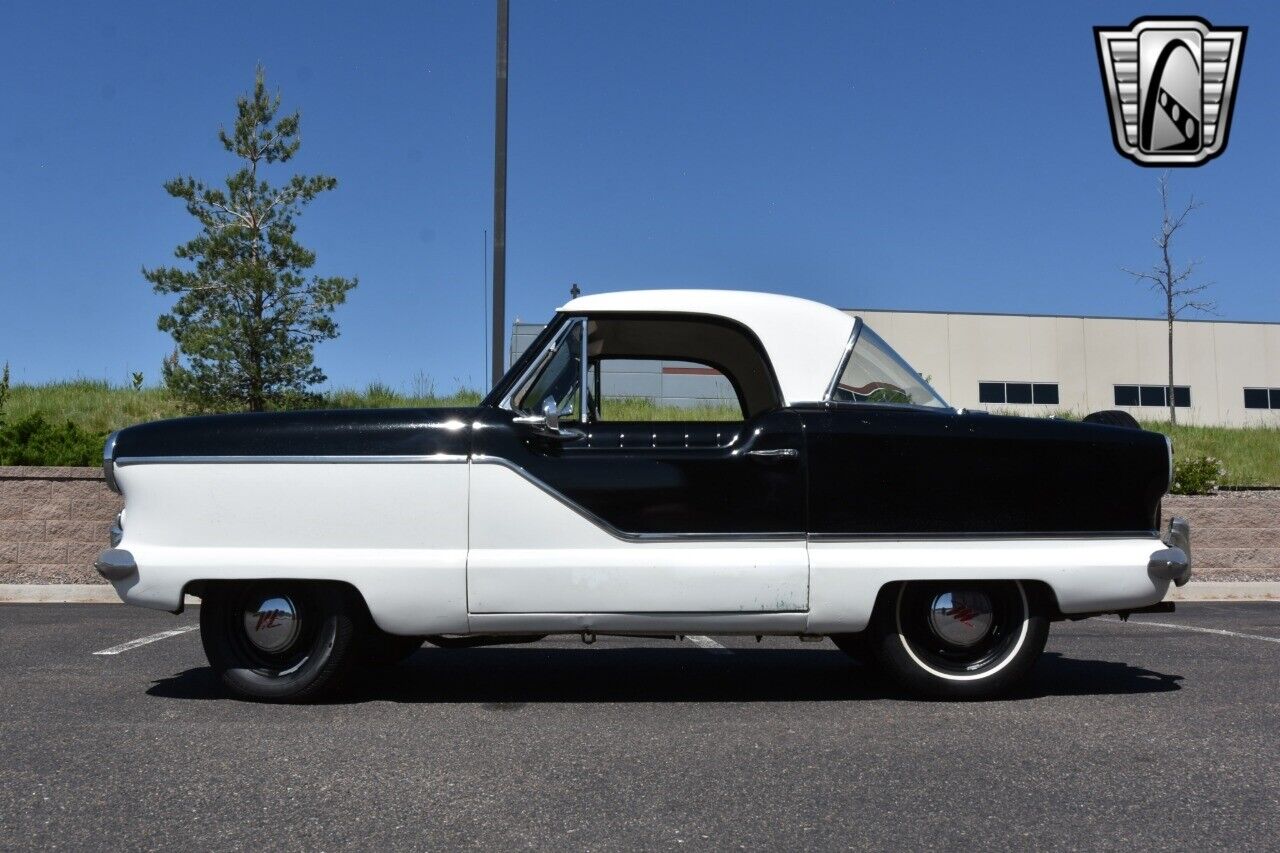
(875, 373)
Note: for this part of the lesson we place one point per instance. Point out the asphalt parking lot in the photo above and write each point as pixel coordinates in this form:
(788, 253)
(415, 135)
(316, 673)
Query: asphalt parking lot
(1127, 735)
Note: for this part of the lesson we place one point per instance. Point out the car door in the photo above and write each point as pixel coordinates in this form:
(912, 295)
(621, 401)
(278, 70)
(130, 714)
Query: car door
(592, 515)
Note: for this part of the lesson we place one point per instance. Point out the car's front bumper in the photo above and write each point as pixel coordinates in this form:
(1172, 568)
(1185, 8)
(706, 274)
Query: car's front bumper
(116, 564)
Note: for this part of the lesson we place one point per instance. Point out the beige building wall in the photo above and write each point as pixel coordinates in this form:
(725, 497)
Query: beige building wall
(1087, 357)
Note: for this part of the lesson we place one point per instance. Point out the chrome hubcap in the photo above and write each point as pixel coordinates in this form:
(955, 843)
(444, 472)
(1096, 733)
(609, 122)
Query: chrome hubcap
(961, 618)
(273, 625)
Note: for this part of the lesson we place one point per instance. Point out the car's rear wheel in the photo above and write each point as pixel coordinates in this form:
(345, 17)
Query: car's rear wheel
(281, 641)
(959, 639)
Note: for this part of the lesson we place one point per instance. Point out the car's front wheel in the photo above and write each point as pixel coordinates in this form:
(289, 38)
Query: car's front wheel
(959, 639)
(281, 641)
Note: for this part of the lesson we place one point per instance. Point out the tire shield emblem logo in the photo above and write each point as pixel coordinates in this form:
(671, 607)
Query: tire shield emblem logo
(1170, 85)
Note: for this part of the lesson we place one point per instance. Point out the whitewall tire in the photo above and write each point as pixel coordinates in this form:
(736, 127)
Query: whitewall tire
(959, 639)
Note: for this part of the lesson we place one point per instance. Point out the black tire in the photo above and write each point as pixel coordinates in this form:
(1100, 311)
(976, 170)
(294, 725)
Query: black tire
(1113, 417)
(383, 649)
(315, 661)
(916, 624)
(857, 646)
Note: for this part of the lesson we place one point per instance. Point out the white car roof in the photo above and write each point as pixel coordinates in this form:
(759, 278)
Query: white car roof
(805, 340)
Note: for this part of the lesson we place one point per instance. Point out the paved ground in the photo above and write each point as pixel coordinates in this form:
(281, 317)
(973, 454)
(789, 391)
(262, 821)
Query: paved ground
(1129, 736)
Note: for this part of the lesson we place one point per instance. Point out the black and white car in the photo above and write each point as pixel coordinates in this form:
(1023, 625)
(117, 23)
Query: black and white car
(844, 499)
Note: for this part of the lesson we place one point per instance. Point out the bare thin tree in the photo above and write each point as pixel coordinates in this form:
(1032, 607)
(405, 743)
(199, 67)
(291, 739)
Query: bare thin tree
(1171, 282)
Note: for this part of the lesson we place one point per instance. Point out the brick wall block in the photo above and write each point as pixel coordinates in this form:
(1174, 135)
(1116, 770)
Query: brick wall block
(42, 552)
(24, 530)
(80, 489)
(103, 508)
(26, 490)
(48, 573)
(85, 553)
(76, 531)
(45, 510)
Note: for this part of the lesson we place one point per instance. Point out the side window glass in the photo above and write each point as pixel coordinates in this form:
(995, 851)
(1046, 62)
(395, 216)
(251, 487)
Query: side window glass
(625, 389)
(874, 373)
(675, 368)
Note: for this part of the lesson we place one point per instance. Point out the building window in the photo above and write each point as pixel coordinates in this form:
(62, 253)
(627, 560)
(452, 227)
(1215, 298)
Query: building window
(1046, 393)
(1262, 398)
(1152, 395)
(1038, 393)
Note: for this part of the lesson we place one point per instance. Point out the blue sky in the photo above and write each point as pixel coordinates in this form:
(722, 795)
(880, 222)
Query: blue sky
(921, 156)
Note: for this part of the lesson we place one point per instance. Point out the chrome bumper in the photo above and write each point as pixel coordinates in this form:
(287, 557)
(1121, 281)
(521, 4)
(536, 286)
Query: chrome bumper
(1174, 562)
(116, 564)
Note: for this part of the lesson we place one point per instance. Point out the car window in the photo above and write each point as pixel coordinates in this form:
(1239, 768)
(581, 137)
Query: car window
(874, 373)
(676, 368)
(625, 389)
(558, 379)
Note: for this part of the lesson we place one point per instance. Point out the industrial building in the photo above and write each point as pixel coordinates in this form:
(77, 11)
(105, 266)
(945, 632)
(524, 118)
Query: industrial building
(1225, 372)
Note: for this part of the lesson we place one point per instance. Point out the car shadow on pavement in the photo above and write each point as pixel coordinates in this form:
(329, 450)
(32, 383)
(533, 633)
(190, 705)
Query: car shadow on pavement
(513, 677)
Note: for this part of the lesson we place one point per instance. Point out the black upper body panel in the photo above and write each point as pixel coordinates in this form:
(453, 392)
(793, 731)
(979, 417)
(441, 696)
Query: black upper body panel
(666, 478)
(890, 470)
(341, 432)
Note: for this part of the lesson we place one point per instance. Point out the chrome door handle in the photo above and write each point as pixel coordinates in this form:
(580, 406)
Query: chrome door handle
(778, 453)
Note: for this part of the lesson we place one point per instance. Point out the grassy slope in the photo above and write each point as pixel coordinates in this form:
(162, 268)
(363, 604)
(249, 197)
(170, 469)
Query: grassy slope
(101, 408)
(1251, 456)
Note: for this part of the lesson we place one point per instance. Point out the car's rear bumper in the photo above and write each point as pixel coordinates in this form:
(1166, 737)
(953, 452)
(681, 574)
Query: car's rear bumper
(1174, 562)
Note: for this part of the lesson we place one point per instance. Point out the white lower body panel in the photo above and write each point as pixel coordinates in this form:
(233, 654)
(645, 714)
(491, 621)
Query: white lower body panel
(530, 553)
(397, 532)
(1086, 575)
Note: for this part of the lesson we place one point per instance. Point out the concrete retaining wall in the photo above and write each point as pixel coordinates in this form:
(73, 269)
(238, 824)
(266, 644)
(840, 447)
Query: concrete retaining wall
(53, 524)
(54, 521)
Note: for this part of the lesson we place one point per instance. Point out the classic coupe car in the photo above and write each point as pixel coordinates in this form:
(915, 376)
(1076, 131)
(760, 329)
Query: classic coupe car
(837, 496)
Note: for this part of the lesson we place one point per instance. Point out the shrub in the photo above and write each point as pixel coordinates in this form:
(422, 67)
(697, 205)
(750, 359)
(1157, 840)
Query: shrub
(1196, 475)
(32, 440)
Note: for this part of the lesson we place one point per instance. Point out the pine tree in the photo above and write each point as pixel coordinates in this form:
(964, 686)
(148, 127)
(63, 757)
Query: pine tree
(248, 316)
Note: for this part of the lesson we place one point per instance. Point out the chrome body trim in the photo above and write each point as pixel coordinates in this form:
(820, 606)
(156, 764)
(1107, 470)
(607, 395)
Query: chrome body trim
(108, 462)
(987, 535)
(634, 537)
(844, 359)
(584, 411)
(456, 458)
(116, 564)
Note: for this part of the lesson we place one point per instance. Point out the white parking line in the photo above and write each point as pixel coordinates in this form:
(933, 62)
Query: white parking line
(709, 644)
(1207, 630)
(142, 641)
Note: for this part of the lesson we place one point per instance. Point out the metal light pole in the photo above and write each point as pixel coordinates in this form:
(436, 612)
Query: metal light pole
(500, 199)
